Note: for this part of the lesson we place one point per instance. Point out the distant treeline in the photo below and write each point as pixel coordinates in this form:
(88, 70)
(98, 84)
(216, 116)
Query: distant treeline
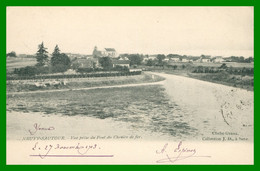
(223, 67)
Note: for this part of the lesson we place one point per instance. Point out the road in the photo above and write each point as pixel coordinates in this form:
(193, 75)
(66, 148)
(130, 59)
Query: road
(212, 107)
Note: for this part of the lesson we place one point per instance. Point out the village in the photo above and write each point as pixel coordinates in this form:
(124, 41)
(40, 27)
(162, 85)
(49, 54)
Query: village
(124, 60)
(55, 70)
(91, 61)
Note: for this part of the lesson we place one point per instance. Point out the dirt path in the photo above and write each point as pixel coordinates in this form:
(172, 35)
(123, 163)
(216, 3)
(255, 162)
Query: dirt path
(212, 107)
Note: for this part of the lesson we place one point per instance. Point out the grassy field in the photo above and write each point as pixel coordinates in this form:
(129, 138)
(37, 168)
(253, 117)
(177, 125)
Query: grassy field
(29, 85)
(145, 107)
(12, 63)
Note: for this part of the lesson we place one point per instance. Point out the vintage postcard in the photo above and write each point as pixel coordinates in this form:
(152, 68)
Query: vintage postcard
(130, 85)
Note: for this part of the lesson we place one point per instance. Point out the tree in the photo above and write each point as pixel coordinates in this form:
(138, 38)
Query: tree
(241, 59)
(56, 51)
(223, 66)
(106, 63)
(55, 59)
(41, 55)
(11, 54)
(60, 61)
(135, 59)
(249, 60)
(160, 58)
(150, 62)
(96, 53)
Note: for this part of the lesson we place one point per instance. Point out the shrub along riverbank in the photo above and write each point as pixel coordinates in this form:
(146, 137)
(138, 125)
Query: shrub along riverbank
(64, 76)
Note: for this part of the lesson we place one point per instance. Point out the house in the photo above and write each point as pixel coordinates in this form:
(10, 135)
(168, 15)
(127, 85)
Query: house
(175, 59)
(205, 58)
(218, 59)
(185, 60)
(75, 55)
(123, 58)
(111, 52)
(195, 58)
(145, 59)
(123, 63)
(106, 52)
(166, 59)
(86, 63)
(149, 57)
(70, 72)
(152, 57)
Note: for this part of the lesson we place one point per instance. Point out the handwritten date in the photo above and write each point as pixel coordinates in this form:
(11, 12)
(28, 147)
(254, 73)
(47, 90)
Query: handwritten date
(44, 150)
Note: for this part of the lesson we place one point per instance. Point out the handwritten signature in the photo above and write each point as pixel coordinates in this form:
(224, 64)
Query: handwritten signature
(44, 150)
(177, 153)
(37, 127)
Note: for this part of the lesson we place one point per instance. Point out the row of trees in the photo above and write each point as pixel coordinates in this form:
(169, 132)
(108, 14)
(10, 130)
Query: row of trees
(59, 62)
(158, 62)
(240, 59)
(135, 59)
(107, 65)
(11, 54)
(224, 67)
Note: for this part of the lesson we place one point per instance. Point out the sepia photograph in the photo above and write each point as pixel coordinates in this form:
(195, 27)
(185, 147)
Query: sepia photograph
(130, 85)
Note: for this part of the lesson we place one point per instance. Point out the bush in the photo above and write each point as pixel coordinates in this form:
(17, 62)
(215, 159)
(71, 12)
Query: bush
(42, 70)
(59, 68)
(120, 68)
(60, 63)
(85, 70)
(150, 62)
(26, 71)
(223, 66)
(31, 70)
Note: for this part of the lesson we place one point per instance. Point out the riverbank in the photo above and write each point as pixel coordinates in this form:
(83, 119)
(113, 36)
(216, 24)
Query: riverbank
(77, 83)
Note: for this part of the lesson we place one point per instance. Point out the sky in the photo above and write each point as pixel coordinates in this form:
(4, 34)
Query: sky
(212, 31)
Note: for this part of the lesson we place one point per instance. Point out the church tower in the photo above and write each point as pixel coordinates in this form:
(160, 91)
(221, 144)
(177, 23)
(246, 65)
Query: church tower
(95, 52)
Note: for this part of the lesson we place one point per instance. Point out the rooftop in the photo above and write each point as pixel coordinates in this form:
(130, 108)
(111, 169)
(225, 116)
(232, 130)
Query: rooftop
(110, 49)
(120, 61)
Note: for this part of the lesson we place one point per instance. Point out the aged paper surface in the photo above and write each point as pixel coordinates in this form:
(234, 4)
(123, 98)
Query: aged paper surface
(130, 85)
